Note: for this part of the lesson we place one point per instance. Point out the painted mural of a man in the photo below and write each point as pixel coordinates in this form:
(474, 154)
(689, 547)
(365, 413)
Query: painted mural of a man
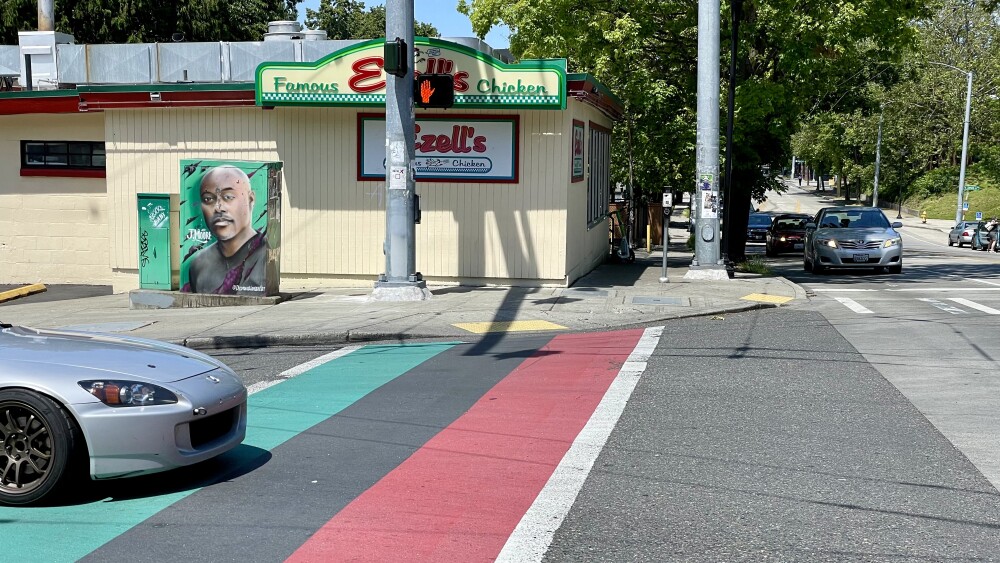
(234, 263)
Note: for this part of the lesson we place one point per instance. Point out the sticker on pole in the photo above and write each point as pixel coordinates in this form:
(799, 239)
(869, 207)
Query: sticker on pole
(397, 178)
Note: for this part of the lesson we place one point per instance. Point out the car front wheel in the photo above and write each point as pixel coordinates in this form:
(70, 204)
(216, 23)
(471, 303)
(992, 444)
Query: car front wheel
(896, 269)
(40, 444)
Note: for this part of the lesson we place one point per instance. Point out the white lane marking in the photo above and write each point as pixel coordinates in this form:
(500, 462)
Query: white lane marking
(301, 368)
(943, 306)
(983, 281)
(946, 289)
(853, 305)
(974, 305)
(839, 290)
(533, 534)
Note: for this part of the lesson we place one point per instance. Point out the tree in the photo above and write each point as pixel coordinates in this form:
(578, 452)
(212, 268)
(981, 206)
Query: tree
(348, 19)
(793, 58)
(143, 21)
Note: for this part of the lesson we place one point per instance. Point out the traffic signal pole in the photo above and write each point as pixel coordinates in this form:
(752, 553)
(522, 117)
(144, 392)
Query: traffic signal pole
(401, 280)
(707, 263)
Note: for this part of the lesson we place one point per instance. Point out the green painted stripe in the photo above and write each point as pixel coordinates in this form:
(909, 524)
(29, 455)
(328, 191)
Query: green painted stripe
(276, 414)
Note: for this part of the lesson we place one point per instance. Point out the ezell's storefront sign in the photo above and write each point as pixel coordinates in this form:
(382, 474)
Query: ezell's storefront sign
(354, 77)
(447, 147)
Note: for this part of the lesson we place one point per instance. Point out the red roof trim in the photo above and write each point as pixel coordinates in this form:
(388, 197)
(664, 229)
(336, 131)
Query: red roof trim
(48, 104)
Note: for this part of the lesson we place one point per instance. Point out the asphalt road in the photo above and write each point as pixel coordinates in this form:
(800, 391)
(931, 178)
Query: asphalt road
(767, 436)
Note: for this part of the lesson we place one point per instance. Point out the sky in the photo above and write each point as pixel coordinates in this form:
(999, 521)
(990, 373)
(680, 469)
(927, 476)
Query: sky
(442, 14)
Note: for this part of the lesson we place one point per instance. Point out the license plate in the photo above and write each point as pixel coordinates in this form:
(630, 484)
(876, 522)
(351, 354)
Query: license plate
(860, 257)
(798, 246)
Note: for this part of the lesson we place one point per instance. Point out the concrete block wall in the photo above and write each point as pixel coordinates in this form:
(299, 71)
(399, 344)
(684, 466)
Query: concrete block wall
(53, 230)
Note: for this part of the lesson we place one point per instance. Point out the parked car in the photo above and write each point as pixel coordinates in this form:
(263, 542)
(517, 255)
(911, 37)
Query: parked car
(787, 233)
(77, 403)
(852, 237)
(757, 226)
(980, 236)
(961, 233)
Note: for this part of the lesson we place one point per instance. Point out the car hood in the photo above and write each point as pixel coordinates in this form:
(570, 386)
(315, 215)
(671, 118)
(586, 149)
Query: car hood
(860, 233)
(119, 356)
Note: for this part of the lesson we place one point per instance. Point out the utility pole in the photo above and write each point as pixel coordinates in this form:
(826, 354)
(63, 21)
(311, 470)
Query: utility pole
(878, 158)
(707, 264)
(401, 281)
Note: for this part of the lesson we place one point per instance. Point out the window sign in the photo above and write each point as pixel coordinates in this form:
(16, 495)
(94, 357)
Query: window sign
(577, 151)
(447, 148)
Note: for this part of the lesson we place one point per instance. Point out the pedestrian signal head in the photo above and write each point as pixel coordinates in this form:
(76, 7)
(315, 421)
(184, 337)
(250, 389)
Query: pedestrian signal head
(434, 91)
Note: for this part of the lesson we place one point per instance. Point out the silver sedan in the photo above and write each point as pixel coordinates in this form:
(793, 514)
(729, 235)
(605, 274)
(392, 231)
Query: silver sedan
(853, 237)
(75, 403)
(962, 233)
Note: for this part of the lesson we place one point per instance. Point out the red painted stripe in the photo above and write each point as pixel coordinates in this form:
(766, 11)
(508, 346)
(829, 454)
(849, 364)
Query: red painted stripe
(459, 497)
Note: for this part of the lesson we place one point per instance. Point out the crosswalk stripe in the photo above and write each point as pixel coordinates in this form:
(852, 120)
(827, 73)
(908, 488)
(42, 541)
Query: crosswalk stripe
(943, 306)
(974, 305)
(853, 305)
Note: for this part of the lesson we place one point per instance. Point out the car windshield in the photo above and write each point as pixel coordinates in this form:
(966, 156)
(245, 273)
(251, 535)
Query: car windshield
(854, 219)
(789, 224)
(760, 221)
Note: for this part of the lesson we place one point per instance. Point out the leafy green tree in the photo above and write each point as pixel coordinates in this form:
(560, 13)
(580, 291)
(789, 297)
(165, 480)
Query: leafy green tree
(348, 19)
(794, 58)
(137, 21)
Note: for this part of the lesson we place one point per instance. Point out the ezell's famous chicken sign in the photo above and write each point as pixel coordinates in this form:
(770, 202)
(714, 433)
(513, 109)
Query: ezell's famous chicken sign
(473, 148)
(354, 76)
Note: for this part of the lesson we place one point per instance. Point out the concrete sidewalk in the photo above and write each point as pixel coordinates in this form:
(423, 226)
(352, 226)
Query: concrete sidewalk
(612, 296)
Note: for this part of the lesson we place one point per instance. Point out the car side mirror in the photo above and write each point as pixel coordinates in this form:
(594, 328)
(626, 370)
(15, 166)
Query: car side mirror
(897, 225)
(810, 226)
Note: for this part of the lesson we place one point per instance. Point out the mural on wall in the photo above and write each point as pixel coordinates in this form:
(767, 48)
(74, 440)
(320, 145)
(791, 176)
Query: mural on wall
(230, 231)
(471, 148)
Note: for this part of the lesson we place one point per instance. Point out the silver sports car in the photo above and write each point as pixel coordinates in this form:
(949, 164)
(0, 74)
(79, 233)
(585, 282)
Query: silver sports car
(128, 406)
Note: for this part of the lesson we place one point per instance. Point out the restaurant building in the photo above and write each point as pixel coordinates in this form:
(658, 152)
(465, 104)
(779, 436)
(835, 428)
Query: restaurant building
(513, 180)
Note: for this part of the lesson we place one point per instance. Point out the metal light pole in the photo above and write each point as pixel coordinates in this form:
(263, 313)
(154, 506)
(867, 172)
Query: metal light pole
(959, 212)
(401, 281)
(707, 264)
(878, 157)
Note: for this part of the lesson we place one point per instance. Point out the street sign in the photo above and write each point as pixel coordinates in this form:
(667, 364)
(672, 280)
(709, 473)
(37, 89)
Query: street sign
(965, 206)
(668, 199)
(971, 188)
(979, 215)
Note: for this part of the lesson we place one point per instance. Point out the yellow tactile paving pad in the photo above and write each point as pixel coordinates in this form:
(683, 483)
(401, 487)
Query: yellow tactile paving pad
(764, 298)
(508, 326)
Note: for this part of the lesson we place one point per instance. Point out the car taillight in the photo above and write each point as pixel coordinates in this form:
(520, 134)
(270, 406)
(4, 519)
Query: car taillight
(966, 234)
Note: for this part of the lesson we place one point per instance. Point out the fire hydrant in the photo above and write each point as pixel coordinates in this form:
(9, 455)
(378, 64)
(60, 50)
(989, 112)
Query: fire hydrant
(923, 216)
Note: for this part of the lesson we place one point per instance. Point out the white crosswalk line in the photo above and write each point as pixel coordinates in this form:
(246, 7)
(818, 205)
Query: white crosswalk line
(943, 306)
(853, 305)
(974, 305)
(988, 282)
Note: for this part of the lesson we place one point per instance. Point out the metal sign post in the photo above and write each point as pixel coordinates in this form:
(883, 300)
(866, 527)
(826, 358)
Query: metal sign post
(668, 204)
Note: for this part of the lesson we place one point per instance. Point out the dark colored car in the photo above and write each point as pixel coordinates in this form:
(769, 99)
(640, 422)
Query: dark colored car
(980, 236)
(757, 227)
(787, 233)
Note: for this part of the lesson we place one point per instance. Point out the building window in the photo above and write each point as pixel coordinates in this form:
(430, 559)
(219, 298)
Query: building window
(62, 158)
(599, 182)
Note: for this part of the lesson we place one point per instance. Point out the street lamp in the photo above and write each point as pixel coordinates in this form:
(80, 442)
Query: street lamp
(965, 137)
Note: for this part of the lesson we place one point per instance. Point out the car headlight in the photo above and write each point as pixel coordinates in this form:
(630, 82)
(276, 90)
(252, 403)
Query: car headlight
(782, 239)
(116, 393)
(828, 242)
(892, 242)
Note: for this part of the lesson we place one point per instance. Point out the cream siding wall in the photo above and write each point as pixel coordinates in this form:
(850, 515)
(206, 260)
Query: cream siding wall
(586, 246)
(333, 225)
(52, 230)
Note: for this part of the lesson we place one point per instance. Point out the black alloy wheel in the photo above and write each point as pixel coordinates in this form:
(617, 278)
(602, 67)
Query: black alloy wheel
(39, 445)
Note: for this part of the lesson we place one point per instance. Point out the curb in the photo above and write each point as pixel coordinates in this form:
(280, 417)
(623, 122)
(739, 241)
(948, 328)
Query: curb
(345, 337)
(23, 291)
